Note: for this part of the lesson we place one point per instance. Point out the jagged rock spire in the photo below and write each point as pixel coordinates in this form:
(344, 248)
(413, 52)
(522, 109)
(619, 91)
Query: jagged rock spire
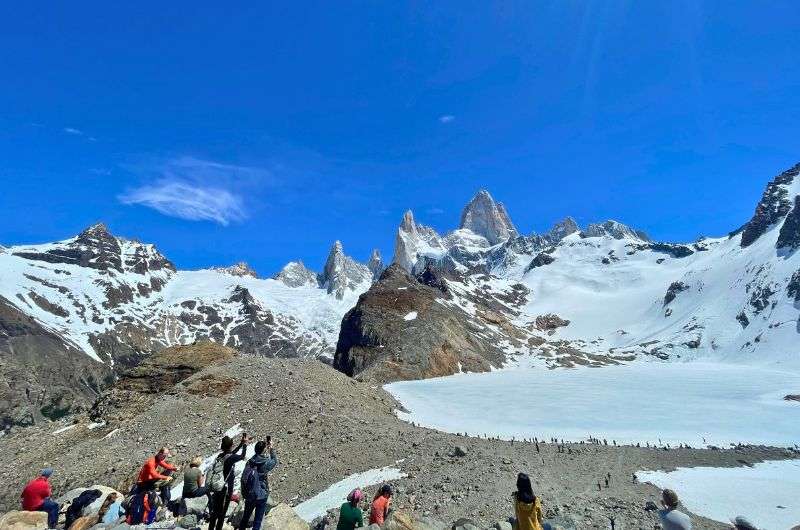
(342, 272)
(375, 264)
(487, 218)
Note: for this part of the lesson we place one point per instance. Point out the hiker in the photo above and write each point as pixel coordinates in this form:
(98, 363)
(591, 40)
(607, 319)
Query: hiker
(36, 497)
(220, 479)
(194, 480)
(255, 483)
(380, 505)
(527, 506)
(670, 517)
(350, 515)
(742, 523)
(149, 477)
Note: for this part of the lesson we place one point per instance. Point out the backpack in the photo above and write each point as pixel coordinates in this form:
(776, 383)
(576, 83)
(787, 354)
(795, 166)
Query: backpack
(251, 483)
(216, 480)
(136, 509)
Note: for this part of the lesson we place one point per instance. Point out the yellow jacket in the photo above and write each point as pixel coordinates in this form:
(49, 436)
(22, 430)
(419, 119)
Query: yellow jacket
(529, 516)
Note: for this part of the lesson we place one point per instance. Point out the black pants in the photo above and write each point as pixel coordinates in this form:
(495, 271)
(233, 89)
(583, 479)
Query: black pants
(220, 501)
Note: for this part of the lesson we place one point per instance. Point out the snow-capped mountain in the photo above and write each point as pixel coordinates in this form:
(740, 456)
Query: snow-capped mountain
(114, 299)
(604, 294)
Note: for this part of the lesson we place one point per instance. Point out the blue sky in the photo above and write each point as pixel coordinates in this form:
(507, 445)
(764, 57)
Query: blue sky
(263, 133)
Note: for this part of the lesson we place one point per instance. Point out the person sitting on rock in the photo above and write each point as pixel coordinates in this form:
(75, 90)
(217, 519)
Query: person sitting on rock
(380, 505)
(350, 515)
(670, 517)
(194, 480)
(149, 477)
(527, 506)
(36, 497)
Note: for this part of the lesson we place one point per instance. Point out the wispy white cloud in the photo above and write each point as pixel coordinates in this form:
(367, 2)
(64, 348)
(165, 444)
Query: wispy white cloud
(188, 201)
(74, 131)
(197, 190)
(447, 118)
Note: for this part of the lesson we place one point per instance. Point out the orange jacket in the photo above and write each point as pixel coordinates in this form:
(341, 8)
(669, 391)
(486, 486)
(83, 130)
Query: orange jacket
(150, 470)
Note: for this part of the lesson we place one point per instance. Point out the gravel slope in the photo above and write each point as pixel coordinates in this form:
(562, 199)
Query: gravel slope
(327, 426)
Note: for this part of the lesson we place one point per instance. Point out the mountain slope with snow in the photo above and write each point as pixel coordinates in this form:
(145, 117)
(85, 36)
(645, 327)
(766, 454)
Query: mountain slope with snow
(603, 295)
(115, 299)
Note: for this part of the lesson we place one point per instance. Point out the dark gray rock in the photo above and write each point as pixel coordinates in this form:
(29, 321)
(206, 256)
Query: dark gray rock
(775, 203)
(789, 236)
(673, 290)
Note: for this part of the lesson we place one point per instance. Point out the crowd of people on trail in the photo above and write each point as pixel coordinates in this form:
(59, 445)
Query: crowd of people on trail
(152, 490)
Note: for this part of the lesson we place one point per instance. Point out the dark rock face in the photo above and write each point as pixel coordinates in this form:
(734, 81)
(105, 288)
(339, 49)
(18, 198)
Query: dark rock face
(540, 260)
(793, 288)
(400, 330)
(761, 295)
(673, 290)
(674, 250)
(96, 248)
(789, 236)
(775, 203)
(40, 375)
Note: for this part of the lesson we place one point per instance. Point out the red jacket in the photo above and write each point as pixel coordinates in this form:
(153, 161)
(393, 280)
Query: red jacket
(35, 493)
(150, 470)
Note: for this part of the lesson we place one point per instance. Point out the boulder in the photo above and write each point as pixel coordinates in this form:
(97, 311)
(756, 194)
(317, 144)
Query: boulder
(404, 521)
(94, 507)
(282, 517)
(195, 506)
(84, 523)
(465, 524)
(19, 520)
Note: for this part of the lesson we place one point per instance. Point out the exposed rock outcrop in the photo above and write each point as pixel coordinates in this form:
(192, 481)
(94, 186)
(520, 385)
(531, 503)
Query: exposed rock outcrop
(400, 330)
(775, 203)
(614, 229)
(487, 218)
(240, 269)
(342, 272)
(789, 236)
(296, 274)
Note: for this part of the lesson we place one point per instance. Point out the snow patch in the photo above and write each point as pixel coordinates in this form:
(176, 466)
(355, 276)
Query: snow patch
(336, 494)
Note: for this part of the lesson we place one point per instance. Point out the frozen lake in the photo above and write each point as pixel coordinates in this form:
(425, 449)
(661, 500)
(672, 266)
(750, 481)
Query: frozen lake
(695, 403)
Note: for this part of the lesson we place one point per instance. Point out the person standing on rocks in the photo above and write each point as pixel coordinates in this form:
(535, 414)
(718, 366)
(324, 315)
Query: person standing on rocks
(149, 477)
(255, 483)
(527, 506)
(220, 479)
(380, 505)
(36, 497)
(350, 515)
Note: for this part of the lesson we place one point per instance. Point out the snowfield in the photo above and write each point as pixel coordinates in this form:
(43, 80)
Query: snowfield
(768, 493)
(697, 403)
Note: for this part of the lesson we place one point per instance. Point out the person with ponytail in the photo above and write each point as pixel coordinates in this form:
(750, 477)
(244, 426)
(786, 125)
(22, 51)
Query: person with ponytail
(350, 515)
(527, 506)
